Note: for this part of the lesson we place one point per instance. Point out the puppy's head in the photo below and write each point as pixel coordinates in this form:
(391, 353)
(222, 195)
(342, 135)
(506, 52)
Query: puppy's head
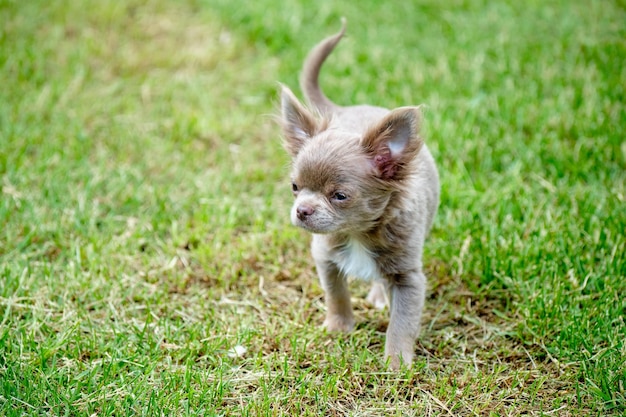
(343, 181)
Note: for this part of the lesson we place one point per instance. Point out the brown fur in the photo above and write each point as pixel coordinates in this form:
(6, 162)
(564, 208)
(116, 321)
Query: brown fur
(367, 188)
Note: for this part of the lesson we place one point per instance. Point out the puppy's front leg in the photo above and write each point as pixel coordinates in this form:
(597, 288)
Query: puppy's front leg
(339, 315)
(407, 300)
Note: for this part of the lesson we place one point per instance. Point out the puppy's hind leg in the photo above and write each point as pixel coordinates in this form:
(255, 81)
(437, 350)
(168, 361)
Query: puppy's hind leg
(378, 295)
(339, 316)
(407, 300)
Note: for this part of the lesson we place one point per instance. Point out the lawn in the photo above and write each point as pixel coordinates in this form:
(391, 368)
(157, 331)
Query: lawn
(147, 262)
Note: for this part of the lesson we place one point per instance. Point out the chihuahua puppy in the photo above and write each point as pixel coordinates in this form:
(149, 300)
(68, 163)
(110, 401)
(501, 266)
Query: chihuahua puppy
(367, 188)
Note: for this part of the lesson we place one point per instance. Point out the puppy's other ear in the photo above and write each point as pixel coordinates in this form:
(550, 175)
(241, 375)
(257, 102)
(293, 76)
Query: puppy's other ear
(298, 124)
(394, 142)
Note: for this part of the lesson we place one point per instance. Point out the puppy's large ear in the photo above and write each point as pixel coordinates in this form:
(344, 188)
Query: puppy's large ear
(394, 142)
(298, 124)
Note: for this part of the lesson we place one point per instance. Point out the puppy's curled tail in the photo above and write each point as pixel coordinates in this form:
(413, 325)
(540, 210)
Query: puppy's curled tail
(311, 70)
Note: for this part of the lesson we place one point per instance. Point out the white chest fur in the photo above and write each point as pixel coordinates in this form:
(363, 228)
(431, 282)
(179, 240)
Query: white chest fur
(356, 260)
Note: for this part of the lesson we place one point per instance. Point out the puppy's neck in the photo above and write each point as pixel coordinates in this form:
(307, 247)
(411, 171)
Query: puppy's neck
(355, 259)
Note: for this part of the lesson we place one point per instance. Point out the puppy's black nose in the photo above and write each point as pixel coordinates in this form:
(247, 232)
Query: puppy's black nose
(304, 211)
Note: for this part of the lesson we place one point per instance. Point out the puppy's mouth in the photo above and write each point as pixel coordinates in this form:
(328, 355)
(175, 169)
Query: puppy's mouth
(311, 220)
(311, 226)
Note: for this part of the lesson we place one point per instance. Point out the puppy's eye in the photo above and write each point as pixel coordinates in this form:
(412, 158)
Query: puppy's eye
(339, 196)
(294, 187)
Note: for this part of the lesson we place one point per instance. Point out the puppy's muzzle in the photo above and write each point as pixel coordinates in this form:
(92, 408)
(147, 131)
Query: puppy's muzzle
(304, 211)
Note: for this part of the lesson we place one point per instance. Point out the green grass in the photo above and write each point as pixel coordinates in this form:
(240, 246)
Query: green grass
(144, 202)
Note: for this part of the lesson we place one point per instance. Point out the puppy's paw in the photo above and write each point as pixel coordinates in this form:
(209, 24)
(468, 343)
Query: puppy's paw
(336, 323)
(398, 360)
(377, 296)
(399, 352)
